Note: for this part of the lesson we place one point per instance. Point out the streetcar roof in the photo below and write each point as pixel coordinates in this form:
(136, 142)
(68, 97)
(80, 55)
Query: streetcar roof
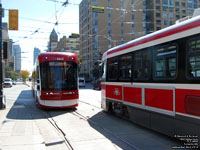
(176, 31)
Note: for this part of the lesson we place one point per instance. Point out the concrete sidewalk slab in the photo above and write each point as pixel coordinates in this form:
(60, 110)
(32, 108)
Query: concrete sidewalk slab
(33, 142)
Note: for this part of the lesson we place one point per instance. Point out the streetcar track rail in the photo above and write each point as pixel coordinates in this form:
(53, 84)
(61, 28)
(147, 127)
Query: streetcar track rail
(48, 115)
(50, 119)
(90, 104)
(54, 124)
(77, 114)
(110, 132)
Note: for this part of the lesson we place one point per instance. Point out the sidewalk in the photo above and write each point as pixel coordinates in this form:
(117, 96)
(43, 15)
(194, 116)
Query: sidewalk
(17, 130)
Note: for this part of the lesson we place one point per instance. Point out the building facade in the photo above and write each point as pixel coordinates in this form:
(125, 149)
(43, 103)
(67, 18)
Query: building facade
(53, 41)
(101, 31)
(36, 52)
(70, 44)
(152, 15)
(17, 55)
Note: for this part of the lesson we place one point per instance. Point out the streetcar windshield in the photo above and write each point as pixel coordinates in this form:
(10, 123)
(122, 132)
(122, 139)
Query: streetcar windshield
(58, 76)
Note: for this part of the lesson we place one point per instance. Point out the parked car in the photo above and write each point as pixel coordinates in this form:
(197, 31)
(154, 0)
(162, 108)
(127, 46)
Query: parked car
(14, 82)
(7, 82)
(97, 84)
(81, 82)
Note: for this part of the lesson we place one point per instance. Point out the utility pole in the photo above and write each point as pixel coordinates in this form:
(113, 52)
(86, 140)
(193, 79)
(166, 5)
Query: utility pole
(1, 70)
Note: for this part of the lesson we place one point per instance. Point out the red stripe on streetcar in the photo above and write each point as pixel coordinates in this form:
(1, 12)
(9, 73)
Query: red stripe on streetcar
(114, 92)
(184, 100)
(159, 98)
(133, 95)
(59, 95)
(158, 36)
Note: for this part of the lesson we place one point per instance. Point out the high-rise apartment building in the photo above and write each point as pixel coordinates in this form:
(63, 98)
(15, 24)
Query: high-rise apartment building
(36, 52)
(17, 55)
(70, 44)
(152, 15)
(101, 31)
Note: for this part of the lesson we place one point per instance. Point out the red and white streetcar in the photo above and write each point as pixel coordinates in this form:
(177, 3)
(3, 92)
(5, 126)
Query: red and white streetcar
(55, 82)
(155, 79)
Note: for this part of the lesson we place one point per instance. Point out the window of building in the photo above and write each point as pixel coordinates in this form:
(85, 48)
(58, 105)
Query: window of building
(165, 2)
(158, 22)
(177, 3)
(125, 72)
(177, 17)
(165, 62)
(109, 22)
(133, 16)
(171, 16)
(183, 11)
(183, 4)
(165, 15)
(165, 22)
(109, 31)
(157, 8)
(193, 59)
(171, 9)
(171, 3)
(158, 28)
(165, 8)
(157, 1)
(142, 65)
(171, 22)
(109, 15)
(157, 15)
(122, 40)
(122, 23)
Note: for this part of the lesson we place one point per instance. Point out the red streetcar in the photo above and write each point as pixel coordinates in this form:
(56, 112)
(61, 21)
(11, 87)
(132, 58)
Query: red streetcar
(55, 82)
(155, 80)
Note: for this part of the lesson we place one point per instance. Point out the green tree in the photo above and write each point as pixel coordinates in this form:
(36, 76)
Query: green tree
(24, 74)
(8, 71)
(14, 75)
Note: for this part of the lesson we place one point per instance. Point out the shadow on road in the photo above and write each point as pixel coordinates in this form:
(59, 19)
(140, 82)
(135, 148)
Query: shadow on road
(128, 135)
(25, 108)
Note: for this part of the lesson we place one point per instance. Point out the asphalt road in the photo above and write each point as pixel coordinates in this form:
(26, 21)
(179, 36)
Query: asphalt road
(86, 127)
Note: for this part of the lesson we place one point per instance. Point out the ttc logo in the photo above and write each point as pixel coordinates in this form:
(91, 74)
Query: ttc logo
(116, 92)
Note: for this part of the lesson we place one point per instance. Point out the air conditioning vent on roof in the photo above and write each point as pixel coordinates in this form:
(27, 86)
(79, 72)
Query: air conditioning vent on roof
(196, 13)
(183, 19)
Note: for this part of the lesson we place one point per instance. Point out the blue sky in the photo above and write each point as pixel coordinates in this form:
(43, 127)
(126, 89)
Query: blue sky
(40, 15)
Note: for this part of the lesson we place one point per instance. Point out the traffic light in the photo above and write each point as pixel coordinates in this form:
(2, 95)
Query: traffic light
(5, 50)
(13, 19)
(80, 61)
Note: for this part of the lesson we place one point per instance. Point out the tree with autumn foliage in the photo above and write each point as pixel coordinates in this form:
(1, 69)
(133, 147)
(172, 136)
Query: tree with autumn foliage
(24, 74)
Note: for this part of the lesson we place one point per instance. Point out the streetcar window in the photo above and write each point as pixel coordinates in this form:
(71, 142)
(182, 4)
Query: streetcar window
(142, 65)
(165, 62)
(58, 76)
(125, 67)
(104, 71)
(193, 60)
(112, 69)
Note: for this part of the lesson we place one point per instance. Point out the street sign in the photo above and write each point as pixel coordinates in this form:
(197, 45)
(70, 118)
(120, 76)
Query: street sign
(97, 9)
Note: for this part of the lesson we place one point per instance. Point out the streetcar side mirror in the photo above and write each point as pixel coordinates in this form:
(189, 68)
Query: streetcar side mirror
(38, 81)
